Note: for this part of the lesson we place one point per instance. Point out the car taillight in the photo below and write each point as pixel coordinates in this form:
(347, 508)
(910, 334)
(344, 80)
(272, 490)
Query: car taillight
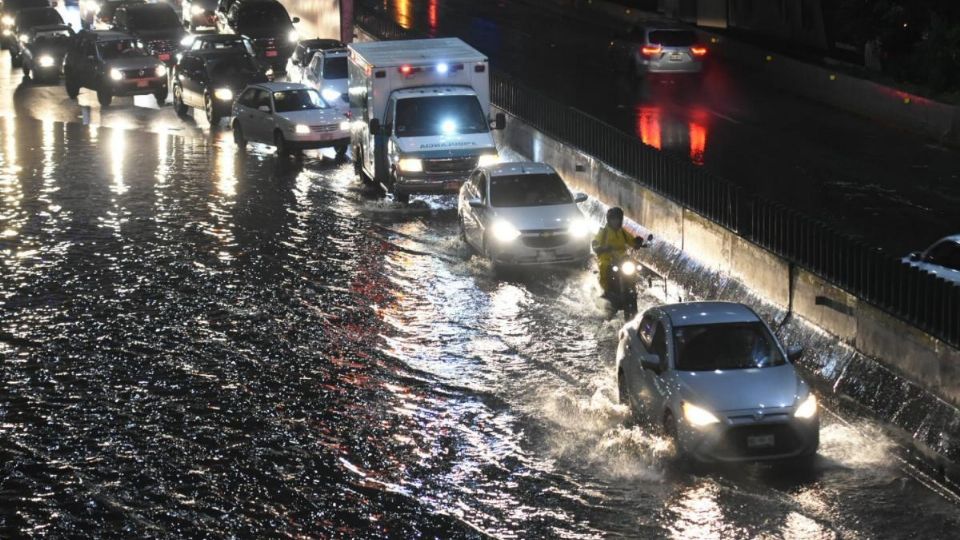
(650, 50)
(698, 51)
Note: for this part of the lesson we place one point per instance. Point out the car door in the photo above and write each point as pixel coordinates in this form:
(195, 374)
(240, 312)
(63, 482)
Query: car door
(261, 120)
(471, 215)
(242, 109)
(652, 393)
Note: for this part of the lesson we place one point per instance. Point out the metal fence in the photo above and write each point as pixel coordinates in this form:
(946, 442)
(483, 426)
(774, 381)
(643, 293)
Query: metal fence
(918, 297)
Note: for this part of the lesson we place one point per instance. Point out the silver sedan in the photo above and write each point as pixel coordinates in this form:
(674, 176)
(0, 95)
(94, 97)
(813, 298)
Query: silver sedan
(714, 376)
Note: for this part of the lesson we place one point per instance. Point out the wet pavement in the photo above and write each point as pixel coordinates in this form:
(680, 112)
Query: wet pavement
(874, 181)
(199, 341)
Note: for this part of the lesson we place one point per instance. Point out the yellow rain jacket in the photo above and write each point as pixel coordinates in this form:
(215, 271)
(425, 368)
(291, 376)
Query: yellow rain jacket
(610, 245)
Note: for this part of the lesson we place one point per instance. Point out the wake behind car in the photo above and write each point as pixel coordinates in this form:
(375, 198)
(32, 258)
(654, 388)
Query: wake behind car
(8, 14)
(718, 381)
(942, 258)
(24, 21)
(43, 51)
(267, 24)
(112, 64)
(522, 213)
(290, 116)
(155, 25)
(209, 79)
(199, 13)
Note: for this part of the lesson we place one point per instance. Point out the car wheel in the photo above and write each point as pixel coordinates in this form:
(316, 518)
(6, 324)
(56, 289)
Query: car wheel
(105, 97)
(623, 397)
(341, 150)
(281, 143)
(161, 97)
(179, 106)
(238, 136)
(212, 115)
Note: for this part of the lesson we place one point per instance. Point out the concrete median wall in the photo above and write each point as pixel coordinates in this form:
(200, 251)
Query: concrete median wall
(715, 263)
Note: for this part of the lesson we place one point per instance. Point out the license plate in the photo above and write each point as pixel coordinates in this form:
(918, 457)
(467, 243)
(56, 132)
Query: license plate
(760, 441)
(451, 186)
(271, 54)
(676, 57)
(143, 84)
(163, 57)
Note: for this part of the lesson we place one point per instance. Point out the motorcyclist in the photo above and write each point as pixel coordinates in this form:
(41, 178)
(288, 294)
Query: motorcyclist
(611, 244)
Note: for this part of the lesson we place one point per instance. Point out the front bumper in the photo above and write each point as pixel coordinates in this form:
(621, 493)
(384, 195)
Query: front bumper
(316, 140)
(753, 440)
(540, 248)
(138, 87)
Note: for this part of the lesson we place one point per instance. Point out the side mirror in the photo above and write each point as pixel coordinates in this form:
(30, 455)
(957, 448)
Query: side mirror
(795, 353)
(651, 362)
(580, 197)
(915, 256)
(374, 126)
(264, 108)
(475, 203)
(499, 121)
(295, 20)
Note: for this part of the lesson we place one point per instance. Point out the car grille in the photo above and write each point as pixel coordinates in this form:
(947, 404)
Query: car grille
(138, 73)
(734, 442)
(545, 239)
(160, 46)
(265, 44)
(325, 128)
(461, 165)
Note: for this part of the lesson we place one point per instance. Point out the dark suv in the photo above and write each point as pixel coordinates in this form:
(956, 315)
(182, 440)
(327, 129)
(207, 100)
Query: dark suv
(23, 22)
(8, 15)
(114, 65)
(209, 79)
(267, 24)
(157, 26)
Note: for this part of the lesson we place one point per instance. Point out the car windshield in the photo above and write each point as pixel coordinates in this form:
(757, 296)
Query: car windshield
(673, 38)
(159, 17)
(53, 35)
(335, 68)
(528, 190)
(298, 100)
(231, 66)
(439, 115)
(38, 17)
(118, 48)
(711, 347)
(265, 15)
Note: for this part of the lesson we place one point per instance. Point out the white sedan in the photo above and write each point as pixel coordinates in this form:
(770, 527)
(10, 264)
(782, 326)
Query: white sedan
(523, 214)
(290, 116)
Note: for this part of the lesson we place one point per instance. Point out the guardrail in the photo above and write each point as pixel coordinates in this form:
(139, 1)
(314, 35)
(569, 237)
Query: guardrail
(920, 298)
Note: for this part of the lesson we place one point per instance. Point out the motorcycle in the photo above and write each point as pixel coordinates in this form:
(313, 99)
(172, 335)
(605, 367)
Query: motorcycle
(621, 288)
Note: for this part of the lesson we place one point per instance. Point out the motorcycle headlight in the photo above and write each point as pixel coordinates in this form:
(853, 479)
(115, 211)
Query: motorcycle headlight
(410, 165)
(628, 268)
(293, 36)
(196, 10)
(226, 94)
(161, 70)
(45, 61)
(329, 94)
(488, 159)
(302, 129)
(504, 231)
(579, 228)
(7, 20)
(116, 74)
(698, 417)
(808, 408)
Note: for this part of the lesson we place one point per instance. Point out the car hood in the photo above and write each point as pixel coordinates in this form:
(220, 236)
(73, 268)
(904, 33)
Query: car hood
(314, 117)
(532, 218)
(138, 62)
(739, 389)
(169, 34)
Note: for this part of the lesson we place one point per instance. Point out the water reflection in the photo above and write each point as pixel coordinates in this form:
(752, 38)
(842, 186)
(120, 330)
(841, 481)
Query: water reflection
(683, 131)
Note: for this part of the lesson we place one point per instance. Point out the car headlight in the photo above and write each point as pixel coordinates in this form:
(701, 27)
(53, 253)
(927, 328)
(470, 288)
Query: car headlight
(293, 36)
(268, 73)
(161, 70)
(45, 61)
(808, 408)
(226, 94)
(7, 32)
(345, 125)
(698, 417)
(329, 94)
(302, 129)
(628, 268)
(504, 231)
(410, 164)
(579, 228)
(116, 74)
(488, 159)
(197, 10)
(7, 20)
(24, 38)
(187, 41)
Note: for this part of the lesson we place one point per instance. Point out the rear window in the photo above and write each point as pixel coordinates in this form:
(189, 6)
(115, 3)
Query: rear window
(528, 190)
(335, 68)
(711, 347)
(269, 15)
(160, 17)
(39, 17)
(673, 38)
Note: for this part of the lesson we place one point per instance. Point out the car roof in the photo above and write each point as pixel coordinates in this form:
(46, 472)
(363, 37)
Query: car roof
(323, 43)
(514, 168)
(953, 237)
(281, 86)
(451, 90)
(694, 313)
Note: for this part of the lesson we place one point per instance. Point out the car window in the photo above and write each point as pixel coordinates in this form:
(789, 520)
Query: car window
(263, 98)
(945, 254)
(297, 100)
(38, 17)
(711, 347)
(248, 98)
(529, 190)
(439, 115)
(335, 68)
(315, 66)
(118, 48)
(645, 331)
(673, 38)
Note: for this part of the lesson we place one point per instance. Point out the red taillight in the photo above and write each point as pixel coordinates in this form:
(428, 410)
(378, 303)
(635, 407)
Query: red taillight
(650, 50)
(406, 69)
(698, 51)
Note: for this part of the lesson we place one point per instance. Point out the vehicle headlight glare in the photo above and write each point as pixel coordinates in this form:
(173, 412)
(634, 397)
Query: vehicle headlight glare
(187, 41)
(410, 164)
(24, 38)
(226, 94)
(345, 125)
(698, 417)
(116, 74)
(808, 408)
(197, 10)
(268, 73)
(293, 36)
(45, 61)
(302, 129)
(488, 159)
(7, 20)
(161, 70)
(504, 231)
(628, 268)
(579, 228)
(329, 94)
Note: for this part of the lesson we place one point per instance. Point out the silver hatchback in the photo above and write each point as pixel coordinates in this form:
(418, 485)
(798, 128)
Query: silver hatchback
(717, 380)
(660, 49)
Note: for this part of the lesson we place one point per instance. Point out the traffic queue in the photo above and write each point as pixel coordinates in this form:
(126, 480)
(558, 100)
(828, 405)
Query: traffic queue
(415, 116)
